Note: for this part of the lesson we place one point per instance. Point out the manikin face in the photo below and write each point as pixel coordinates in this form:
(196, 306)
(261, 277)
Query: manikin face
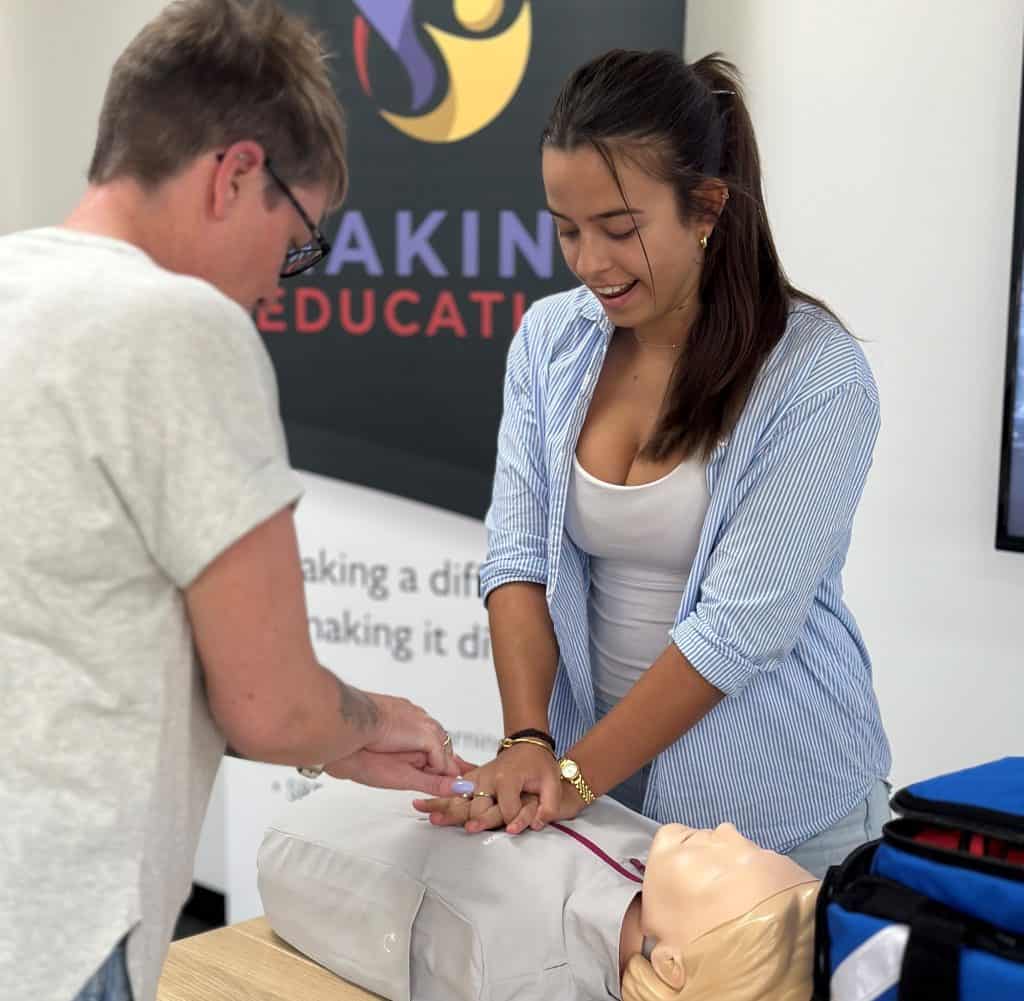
(601, 240)
(697, 880)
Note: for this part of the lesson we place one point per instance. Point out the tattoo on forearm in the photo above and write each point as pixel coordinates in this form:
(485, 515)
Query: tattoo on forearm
(356, 707)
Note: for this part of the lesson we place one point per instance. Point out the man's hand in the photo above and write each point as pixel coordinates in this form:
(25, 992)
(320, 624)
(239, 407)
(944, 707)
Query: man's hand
(399, 770)
(266, 689)
(403, 726)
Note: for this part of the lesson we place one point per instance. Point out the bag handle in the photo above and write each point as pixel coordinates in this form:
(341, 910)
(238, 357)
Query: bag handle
(837, 878)
(822, 971)
(931, 963)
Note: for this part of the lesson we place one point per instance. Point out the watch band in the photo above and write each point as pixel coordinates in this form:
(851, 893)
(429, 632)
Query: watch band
(571, 773)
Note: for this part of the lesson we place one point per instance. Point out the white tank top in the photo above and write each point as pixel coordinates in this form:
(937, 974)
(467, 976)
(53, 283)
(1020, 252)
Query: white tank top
(641, 541)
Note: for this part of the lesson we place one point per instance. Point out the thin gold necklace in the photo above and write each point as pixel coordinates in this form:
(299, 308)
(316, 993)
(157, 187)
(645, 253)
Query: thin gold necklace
(652, 344)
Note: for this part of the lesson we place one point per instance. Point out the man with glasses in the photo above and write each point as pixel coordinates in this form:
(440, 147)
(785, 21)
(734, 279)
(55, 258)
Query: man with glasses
(308, 254)
(151, 600)
(311, 253)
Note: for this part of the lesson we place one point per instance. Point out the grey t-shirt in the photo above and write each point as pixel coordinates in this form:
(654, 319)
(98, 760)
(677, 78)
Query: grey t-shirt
(140, 438)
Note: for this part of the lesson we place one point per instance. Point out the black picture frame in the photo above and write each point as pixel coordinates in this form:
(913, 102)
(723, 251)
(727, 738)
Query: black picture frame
(1010, 518)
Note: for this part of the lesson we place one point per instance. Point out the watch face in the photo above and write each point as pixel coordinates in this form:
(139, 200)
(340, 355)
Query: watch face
(570, 770)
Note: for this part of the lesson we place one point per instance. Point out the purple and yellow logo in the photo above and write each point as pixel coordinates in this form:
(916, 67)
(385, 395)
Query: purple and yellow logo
(484, 73)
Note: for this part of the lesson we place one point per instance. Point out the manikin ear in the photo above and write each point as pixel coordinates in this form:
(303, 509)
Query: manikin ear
(236, 169)
(668, 964)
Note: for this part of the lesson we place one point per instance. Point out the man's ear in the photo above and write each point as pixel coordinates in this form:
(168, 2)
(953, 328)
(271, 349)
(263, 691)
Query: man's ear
(668, 964)
(239, 165)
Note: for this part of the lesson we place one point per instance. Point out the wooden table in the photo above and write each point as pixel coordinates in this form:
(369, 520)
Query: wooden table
(248, 962)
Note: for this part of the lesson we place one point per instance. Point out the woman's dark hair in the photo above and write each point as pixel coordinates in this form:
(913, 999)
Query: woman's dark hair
(688, 125)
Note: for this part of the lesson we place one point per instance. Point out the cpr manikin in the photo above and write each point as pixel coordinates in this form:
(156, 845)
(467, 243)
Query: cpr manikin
(729, 920)
(364, 885)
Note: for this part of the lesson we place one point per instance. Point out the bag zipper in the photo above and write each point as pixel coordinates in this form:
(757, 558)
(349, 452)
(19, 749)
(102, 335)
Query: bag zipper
(995, 823)
(893, 833)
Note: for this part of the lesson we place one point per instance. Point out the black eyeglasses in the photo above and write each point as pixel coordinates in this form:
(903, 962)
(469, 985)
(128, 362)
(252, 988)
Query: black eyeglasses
(299, 259)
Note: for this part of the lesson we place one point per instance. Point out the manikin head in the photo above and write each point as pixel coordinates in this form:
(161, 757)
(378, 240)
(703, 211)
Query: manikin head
(730, 921)
(220, 146)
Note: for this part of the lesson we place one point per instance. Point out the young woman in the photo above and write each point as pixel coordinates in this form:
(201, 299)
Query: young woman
(684, 442)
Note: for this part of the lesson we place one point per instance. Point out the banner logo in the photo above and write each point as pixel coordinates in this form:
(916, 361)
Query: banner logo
(483, 73)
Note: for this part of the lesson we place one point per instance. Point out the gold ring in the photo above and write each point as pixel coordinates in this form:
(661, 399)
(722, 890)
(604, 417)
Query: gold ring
(447, 739)
(486, 795)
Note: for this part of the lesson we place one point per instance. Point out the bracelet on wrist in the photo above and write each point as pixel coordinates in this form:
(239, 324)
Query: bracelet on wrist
(536, 734)
(507, 742)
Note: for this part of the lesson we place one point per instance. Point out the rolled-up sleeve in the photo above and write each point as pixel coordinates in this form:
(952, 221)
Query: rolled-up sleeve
(791, 524)
(517, 519)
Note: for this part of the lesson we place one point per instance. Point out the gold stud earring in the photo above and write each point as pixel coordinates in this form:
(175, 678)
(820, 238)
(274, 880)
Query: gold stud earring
(704, 242)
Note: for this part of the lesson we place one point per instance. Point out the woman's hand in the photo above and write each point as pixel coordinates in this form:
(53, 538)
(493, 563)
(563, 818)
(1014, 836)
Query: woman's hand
(523, 787)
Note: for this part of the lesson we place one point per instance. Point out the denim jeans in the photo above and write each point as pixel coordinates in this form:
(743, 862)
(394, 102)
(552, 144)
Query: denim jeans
(110, 981)
(863, 823)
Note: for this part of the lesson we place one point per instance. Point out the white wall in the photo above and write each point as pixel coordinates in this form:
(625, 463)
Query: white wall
(888, 133)
(55, 57)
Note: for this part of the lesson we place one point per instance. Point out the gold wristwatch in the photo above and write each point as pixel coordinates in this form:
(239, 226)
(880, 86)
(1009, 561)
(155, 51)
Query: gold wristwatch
(571, 773)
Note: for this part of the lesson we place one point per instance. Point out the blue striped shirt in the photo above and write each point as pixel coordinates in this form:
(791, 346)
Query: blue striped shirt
(797, 741)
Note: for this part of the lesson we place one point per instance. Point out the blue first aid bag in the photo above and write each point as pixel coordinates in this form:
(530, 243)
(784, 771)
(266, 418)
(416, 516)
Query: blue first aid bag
(934, 910)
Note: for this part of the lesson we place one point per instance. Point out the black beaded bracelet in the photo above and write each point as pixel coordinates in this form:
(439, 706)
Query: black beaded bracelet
(537, 734)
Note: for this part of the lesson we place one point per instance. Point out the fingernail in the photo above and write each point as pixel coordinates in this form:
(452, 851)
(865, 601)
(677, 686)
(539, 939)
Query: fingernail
(462, 786)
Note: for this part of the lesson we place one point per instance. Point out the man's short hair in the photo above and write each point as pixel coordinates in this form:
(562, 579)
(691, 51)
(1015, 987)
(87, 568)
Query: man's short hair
(208, 73)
